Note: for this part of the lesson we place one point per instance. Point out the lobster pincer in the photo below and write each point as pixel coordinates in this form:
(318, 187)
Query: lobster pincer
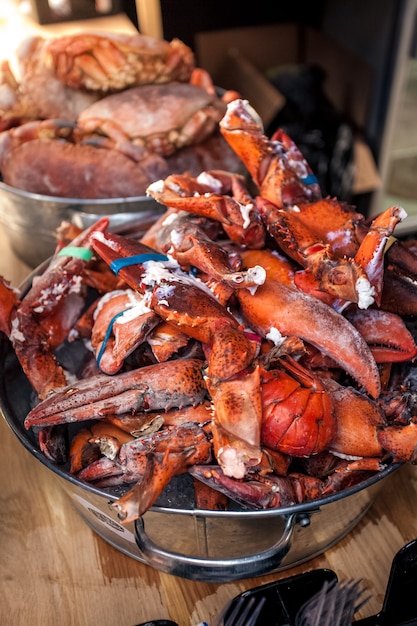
(155, 387)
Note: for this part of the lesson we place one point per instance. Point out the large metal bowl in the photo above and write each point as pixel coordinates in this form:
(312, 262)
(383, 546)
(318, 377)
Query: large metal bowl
(30, 220)
(176, 537)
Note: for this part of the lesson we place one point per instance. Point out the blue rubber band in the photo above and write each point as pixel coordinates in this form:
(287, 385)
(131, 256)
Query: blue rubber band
(107, 336)
(310, 179)
(136, 259)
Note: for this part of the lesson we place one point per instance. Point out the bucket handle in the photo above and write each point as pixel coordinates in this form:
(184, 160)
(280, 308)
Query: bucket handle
(214, 570)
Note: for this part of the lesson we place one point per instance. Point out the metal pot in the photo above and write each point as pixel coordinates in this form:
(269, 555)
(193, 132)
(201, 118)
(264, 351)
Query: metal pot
(174, 536)
(30, 220)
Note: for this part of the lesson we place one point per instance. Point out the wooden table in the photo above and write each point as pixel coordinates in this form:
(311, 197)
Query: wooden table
(55, 569)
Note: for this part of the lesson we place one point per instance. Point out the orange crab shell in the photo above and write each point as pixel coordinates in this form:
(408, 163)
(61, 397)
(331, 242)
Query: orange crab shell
(162, 118)
(117, 60)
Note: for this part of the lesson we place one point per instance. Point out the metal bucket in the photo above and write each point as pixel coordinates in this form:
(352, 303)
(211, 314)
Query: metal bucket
(174, 536)
(30, 220)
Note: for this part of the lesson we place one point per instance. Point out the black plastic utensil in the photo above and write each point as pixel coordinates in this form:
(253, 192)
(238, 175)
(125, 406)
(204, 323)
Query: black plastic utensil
(285, 598)
(400, 603)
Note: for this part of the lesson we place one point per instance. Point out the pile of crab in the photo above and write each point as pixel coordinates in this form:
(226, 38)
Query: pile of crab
(259, 343)
(97, 116)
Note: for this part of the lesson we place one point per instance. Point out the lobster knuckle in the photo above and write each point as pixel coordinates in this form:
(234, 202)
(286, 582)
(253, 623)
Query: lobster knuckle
(400, 442)
(358, 420)
(230, 352)
(237, 404)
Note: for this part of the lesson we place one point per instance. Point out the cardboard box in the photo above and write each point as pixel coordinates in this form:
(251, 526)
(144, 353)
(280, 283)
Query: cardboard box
(240, 58)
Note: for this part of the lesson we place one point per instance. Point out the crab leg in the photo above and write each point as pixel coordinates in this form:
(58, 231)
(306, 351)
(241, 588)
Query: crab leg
(154, 387)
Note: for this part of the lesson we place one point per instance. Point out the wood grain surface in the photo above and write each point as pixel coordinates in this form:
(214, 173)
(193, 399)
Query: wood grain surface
(55, 570)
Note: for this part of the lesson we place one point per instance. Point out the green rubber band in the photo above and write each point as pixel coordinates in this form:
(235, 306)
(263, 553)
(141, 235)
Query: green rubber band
(80, 253)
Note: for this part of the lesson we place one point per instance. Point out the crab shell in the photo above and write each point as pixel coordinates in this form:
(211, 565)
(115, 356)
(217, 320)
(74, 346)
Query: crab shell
(162, 118)
(34, 92)
(63, 169)
(114, 61)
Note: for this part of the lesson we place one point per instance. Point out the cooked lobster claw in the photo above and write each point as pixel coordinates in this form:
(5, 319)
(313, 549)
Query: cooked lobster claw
(149, 461)
(399, 294)
(155, 387)
(277, 310)
(40, 322)
(180, 300)
(386, 334)
(188, 239)
(370, 254)
(121, 323)
(188, 446)
(340, 277)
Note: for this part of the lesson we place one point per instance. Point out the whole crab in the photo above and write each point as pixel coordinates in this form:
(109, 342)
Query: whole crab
(59, 77)
(161, 118)
(120, 144)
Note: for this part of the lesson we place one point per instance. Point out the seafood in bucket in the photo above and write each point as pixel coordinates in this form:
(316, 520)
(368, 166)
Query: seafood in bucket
(254, 340)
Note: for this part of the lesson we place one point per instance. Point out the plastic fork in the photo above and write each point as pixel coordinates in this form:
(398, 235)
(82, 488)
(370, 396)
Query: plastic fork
(245, 612)
(334, 605)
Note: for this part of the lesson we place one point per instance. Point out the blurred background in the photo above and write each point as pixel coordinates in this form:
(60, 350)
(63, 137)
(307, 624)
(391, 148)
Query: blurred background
(353, 62)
